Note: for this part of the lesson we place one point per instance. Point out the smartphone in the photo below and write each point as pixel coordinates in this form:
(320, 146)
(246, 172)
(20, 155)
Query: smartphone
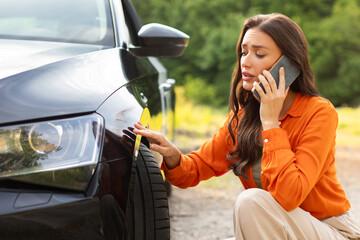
(291, 73)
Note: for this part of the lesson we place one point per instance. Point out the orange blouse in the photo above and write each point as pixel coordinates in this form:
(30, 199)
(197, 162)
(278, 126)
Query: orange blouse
(298, 163)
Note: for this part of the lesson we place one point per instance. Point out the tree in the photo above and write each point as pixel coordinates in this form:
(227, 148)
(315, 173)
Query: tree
(214, 27)
(336, 54)
(331, 28)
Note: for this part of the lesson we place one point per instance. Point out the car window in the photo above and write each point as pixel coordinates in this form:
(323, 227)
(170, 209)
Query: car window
(76, 21)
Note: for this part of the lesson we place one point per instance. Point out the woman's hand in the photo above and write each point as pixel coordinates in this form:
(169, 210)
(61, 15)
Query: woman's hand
(273, 100)
(160, 144)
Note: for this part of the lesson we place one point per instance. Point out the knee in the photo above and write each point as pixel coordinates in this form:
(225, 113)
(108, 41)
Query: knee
(249, 199)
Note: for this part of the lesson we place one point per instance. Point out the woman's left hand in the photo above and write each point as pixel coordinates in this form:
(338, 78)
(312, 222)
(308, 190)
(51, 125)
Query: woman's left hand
(273, 100)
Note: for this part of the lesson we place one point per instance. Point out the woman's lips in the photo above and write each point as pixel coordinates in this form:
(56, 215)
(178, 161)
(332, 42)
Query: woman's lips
(247, 76)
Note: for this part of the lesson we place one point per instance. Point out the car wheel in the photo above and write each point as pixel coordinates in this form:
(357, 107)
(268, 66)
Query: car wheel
(168, 187)
(149, 206)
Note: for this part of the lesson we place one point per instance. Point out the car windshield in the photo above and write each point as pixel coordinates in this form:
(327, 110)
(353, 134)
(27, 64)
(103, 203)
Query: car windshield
(75, 21)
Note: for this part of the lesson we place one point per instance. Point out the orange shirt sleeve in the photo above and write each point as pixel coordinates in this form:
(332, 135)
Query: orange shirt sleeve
(291, 169)
(210, 160)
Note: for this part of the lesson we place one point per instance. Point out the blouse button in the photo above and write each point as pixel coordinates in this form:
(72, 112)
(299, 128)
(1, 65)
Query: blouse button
(266, 140)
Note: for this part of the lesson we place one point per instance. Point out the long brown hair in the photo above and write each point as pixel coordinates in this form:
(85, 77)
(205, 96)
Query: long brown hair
(245, 124)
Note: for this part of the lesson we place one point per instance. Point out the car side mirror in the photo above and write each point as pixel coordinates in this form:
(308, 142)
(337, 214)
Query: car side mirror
(159, 40)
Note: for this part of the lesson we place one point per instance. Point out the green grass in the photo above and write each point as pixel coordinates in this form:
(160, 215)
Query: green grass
(348, 132)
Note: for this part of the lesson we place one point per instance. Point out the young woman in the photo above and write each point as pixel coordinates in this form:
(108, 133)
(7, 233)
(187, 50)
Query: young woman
(282, 149)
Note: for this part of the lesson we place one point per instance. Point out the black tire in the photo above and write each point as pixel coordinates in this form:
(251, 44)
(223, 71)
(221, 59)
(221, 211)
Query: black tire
(149, 205)
(168, 187)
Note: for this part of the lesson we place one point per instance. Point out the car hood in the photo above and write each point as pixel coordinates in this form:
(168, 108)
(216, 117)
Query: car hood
(22, 55)
(40, 80)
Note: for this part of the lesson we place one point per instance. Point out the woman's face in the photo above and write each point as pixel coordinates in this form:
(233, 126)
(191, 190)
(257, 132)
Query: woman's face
(258, 52)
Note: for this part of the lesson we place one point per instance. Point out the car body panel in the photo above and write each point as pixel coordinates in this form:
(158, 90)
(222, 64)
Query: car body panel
(79, 84)
(77, 220)
(22, 55)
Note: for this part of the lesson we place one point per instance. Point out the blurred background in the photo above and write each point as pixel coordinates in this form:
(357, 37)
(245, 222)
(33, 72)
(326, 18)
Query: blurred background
(332, 28)
(203, 75)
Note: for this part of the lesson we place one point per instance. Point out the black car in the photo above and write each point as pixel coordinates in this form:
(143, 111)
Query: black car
(75, 75)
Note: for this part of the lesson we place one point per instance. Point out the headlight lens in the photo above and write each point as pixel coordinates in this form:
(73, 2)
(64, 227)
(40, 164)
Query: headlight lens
(52, 145)
(45, 138)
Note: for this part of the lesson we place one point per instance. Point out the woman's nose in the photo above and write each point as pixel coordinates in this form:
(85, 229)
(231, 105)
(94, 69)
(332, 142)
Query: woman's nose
(245, 61)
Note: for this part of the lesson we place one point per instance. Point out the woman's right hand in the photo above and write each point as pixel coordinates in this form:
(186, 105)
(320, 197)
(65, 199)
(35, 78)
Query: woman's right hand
(160, 144)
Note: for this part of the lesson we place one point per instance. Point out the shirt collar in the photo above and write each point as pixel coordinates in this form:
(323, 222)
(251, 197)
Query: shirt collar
(297, 107)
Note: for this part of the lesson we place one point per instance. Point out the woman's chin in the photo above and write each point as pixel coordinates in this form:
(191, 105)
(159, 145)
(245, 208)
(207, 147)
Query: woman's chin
(247, 86)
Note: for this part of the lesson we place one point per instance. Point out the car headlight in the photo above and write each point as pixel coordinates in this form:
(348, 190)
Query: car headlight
(51, 145)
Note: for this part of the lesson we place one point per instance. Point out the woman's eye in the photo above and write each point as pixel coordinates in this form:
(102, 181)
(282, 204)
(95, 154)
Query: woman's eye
(243, 54)
(260, 55)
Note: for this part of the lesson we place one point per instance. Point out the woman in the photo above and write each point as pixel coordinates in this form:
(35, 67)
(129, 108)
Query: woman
(282, 149)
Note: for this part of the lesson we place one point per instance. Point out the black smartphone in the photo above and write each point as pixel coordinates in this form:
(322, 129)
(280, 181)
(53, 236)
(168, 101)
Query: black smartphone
(291, 73)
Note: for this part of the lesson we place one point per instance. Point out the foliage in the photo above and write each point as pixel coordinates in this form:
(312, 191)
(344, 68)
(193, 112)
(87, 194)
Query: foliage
(337, 58)
(200, 92)
(195, 123)
(213, 31)
(332, 28)
(197, 118)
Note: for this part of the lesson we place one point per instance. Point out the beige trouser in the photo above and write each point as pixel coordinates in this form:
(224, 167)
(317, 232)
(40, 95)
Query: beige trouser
(257, 216)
